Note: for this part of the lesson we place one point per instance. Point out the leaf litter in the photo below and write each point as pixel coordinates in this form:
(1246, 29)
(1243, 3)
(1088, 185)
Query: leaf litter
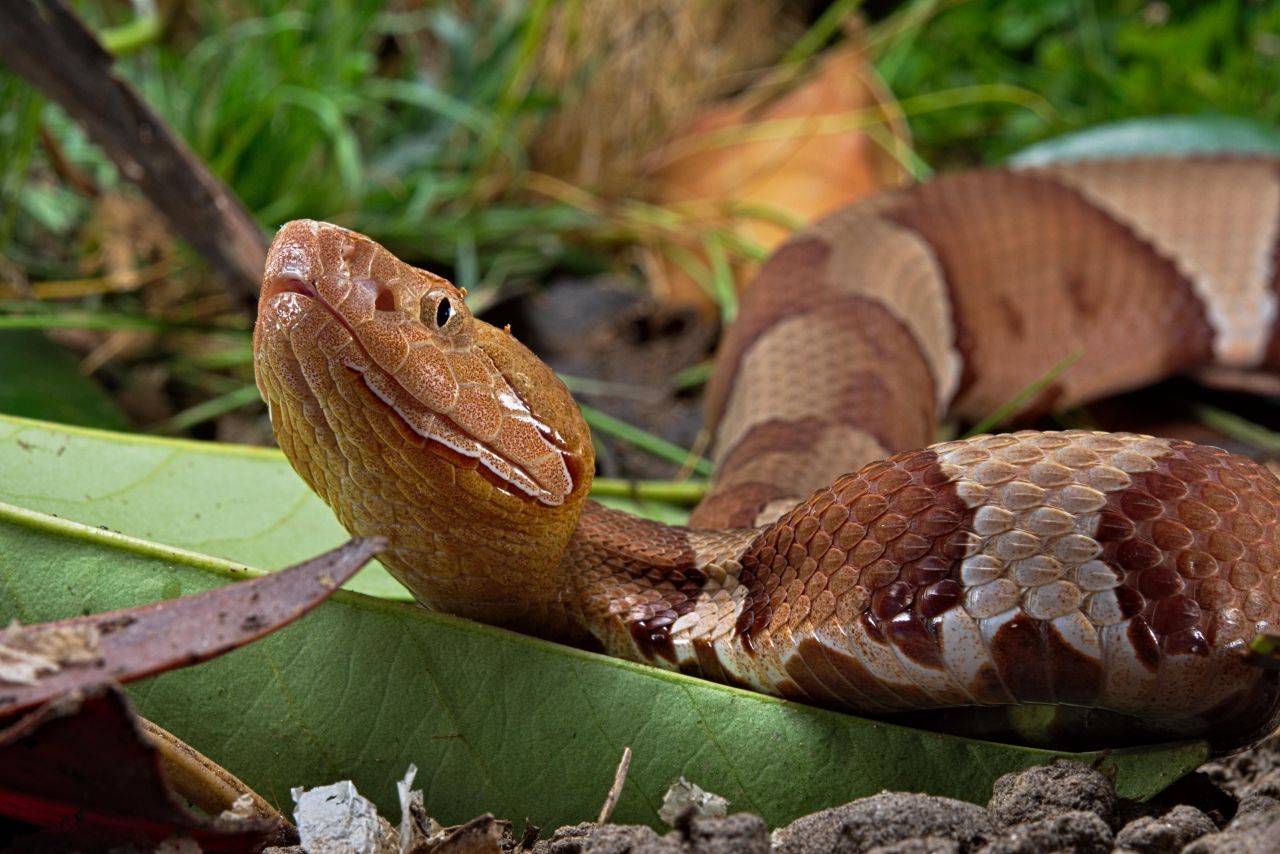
(78, 765)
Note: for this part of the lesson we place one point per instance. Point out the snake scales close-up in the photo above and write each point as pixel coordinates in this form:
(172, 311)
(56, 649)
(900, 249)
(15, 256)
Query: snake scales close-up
(840, 559)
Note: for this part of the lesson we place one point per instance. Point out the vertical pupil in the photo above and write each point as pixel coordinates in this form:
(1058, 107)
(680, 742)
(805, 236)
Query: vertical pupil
(443, 312)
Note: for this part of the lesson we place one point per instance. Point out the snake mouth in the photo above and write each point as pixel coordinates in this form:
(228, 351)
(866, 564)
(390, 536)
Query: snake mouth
(547, 478)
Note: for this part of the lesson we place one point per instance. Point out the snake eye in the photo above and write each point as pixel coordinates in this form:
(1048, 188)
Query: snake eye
(437, 310)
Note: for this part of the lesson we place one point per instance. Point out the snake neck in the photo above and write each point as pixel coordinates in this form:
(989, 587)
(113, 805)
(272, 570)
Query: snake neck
(635, 584)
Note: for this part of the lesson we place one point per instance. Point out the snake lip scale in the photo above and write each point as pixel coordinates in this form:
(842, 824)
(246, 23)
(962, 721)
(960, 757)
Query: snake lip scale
(1110, 581)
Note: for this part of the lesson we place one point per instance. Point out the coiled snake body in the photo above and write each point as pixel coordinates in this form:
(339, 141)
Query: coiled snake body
(838, 560)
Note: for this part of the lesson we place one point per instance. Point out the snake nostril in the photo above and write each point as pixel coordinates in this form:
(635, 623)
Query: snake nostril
(288, 282)
(385, 300)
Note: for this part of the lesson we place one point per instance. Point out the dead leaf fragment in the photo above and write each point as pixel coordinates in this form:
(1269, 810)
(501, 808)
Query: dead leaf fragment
(775, 158)
(48, 660)
(83, 765)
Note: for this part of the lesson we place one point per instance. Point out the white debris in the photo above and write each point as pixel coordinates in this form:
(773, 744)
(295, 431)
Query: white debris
(416, 827)
(684, 796)
(242, 809)
(28, 653)
(336, 818)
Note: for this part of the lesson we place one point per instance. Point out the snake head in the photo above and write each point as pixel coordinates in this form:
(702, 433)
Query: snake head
(344, 323)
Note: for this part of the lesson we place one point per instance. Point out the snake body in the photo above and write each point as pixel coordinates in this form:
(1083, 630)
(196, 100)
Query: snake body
(840, 559)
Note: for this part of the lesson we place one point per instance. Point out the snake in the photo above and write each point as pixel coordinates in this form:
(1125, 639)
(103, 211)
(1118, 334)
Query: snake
(1107, 583)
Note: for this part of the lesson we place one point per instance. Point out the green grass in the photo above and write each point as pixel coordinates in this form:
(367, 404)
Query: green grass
(412, 126)
(1094, 62)
(404, 125)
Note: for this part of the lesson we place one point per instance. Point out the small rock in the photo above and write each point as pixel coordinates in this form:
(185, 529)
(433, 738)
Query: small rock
(591, 838)
(1268, 784)
(1079, 831)
(1256, 812)
(1234, 773)
(741, 833)
(1168, 833)
(1254, 830)
(885, 819)
(1196, 789)
(1049, 790)
(919, 845)
(1229, 843)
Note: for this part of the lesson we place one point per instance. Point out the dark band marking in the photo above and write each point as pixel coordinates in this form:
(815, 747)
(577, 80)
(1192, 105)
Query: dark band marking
(679, 584)
(708, 664)
(737, 507)
(1020, 654)
(1077, 677)
(1190, 539)
(647, 567)
(1029, 262)
(875, 378)
(1247, 715)
(793, 280)
(884, 544)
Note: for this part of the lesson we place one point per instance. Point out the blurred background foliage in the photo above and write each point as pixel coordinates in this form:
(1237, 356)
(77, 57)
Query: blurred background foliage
(501, 142)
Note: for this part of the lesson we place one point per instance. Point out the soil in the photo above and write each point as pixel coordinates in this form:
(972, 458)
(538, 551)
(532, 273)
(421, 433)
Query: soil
(1230, 805)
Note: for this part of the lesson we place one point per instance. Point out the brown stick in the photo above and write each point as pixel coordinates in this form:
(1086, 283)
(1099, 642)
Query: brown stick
(47, 44)
(615, 791)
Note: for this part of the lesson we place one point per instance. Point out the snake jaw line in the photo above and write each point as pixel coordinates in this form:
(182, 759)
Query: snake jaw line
(416, 354)
(438, 439)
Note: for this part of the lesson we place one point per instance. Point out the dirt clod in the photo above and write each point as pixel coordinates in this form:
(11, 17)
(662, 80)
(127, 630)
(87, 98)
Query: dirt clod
(1168, 833)
(590, 838)
(742, 833)
(886, 819)
(1254, 830)
(1078, 831)
(1048, 790)
(919, 845)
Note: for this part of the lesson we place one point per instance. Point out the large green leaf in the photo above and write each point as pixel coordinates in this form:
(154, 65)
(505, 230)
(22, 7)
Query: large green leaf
(1150, 137)
(362, 687)
(239, 503)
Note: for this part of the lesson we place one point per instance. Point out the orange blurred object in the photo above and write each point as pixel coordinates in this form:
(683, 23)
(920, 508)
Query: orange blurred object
(769, 161)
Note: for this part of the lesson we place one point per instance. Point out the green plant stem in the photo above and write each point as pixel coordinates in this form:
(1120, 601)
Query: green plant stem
(655, 445)
(684, 493)
(208, 410)
(1238, 428)
(129, 38)
(827, 25)
(1002, 413)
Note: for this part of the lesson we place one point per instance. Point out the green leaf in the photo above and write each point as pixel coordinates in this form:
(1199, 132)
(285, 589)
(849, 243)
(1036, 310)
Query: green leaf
(41, 380)
(362, 687)
(1169, 135)
(237, 503)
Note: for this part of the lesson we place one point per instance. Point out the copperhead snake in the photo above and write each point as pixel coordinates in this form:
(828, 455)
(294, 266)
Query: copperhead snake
(840, 559)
